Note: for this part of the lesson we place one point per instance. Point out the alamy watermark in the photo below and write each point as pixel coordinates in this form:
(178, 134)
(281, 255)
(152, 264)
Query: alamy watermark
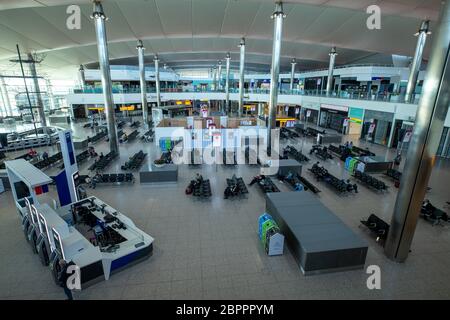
(73, 21)
(374, 280)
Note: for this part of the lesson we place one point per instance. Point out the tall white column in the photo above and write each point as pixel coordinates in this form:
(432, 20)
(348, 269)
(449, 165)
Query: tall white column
(414, 70)
(421, 154)
(241, 76)
(158, 90)
(51, 98)
(6, 101)
(293, 64)
(332, 55)
(145, 112)
(227, 83)
(103, 60)
(278, 17)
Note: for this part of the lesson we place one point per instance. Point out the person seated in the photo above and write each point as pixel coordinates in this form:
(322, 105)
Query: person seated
(299, 187)
(32, 152)
(44, 155)
(427, 207)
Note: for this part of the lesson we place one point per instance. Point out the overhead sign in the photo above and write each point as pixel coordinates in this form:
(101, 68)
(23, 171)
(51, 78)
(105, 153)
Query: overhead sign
(333, 107)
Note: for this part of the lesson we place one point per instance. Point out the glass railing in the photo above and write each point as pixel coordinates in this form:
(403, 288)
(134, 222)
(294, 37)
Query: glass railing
(352, 95)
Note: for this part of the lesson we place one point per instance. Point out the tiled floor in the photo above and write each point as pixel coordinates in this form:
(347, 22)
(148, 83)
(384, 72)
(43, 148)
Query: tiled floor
(210, 250)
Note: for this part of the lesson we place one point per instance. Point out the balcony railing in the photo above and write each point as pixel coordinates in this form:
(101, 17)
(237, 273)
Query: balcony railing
(344, 94)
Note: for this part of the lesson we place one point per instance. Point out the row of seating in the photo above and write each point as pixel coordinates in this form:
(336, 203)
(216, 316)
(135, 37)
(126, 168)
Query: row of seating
(370, 181)
(135, 161)
(235, 187)
(103, 162)
(294, 153)
(339, 185)
(394, 174)
(111, 178)
(265, 183)
(288, 134)
(133, 135)
(378, 227)
(199, 187)
(83, 156)
(321, 152)
(135, 124)
(148, 136)
(44, 163)
(363, 152)
(100, 135)
(121, 124)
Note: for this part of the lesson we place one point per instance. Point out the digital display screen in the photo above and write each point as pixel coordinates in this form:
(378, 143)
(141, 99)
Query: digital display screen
(70, 149)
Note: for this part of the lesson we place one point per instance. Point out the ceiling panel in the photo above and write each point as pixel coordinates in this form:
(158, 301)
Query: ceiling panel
(142, 17)
(176, 16)
(239, 16)
(57, 17)
(207, 16)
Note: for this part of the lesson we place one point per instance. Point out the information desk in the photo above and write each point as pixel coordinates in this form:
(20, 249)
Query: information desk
(152, 173)
(101, 240)
(375, 164)
(317, 238)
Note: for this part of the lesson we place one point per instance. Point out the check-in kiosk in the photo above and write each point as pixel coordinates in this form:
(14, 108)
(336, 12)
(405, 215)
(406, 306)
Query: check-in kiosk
(26, 181)
(101, 241)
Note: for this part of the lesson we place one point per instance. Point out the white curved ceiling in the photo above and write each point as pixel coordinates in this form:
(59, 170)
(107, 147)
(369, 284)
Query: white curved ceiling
(199, 32)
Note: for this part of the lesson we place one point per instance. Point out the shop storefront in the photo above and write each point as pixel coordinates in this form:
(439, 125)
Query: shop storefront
(355, 121)
(333, 117)
(309, 115)
(377, 126)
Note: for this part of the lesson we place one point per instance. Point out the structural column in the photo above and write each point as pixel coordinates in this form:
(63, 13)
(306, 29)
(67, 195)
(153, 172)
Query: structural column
(37, 90)
(214, 76)
(431, 113)
(219, 75)
(293, 63)
(103, 59)
(227, 83)
(241, 76)
(6, 101)
(81, 77)
(51, 98)
(158, 90)
(333, 55)
(417, 61)
(145, 115)
(278, 17)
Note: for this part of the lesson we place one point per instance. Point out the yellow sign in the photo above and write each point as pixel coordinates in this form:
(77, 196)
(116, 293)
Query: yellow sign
(96, 108)
(126, 108)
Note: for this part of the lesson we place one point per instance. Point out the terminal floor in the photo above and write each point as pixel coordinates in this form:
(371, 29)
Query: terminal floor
(210, 249)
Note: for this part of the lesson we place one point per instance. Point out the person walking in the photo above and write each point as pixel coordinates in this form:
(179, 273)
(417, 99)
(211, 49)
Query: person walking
(62, 278)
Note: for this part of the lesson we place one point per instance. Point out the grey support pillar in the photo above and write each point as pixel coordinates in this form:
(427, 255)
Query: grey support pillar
(158, 90)
(293, 63)
(214, 76)
(278, 17)
(51, 98)
(227, 84)
(6, 101)
(103, 59)
(37, 90)
(140, 48)
(417, 61)
(219, 75)
(241, 76)
(81, 77)
(421, 156)
(333, 55)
